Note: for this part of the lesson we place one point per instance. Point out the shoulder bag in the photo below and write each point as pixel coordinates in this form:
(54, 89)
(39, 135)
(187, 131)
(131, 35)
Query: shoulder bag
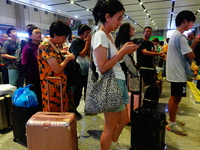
(103, 94)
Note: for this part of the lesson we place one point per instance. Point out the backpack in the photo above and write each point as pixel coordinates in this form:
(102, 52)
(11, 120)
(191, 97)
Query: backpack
(186, 61)
(73, 73)
(19, 53)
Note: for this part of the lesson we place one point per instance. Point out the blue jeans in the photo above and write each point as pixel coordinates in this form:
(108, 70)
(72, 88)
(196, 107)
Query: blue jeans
(15, 78)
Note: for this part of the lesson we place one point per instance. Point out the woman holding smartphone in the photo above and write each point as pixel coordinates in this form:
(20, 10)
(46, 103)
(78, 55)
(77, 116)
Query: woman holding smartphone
(110, 13)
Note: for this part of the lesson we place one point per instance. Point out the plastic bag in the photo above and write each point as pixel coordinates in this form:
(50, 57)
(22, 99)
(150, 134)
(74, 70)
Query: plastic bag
(25, 97)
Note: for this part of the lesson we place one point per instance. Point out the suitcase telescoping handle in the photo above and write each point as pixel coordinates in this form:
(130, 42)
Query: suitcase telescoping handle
(48, 91)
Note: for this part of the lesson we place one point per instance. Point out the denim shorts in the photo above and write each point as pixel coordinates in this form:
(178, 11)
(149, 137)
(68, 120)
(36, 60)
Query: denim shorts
(123, 88)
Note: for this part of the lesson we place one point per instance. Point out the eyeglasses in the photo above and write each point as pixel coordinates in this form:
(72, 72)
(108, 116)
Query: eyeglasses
(37, 32)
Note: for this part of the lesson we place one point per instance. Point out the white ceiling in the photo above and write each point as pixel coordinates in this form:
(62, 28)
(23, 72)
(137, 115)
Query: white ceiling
(158, 10)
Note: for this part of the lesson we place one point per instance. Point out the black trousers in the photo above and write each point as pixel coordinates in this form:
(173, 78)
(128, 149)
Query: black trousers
(78, 89)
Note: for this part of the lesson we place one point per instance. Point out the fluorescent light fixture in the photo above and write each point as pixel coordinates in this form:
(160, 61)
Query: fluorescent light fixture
(22, 35)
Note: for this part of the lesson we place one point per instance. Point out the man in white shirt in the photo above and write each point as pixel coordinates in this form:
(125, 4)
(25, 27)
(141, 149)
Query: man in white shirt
(175, 69)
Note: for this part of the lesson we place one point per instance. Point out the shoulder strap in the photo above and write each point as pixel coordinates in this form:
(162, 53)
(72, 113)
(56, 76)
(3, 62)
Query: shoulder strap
(177, 42)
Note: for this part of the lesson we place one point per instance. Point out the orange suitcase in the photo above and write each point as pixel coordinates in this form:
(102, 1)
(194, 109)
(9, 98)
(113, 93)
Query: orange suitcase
(52, 130)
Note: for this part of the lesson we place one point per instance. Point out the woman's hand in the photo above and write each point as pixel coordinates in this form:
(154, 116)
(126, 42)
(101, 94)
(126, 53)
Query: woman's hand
(129, 48)
(69, 56)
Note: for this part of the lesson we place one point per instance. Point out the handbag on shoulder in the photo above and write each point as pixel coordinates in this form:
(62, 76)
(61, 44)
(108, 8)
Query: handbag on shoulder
(102, 94)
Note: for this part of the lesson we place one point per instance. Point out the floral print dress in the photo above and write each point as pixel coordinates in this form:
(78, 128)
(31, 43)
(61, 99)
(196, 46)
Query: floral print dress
(46, 51)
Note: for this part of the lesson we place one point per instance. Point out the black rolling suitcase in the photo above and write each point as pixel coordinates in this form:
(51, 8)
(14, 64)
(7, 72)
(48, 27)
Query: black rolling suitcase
(20, 116)
(147, 128)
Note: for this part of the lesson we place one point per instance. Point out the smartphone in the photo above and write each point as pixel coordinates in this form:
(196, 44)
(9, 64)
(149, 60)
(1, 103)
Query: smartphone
(139, 41)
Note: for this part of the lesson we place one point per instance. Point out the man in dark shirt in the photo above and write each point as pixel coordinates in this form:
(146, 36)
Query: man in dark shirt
(80, 47)
(9, 54)
(4, 70)
(145, 54)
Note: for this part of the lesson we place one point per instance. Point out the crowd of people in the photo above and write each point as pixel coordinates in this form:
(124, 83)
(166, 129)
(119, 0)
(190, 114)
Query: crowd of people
(42, 58)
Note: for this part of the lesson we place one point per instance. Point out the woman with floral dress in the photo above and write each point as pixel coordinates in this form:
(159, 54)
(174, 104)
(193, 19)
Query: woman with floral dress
(51, 64)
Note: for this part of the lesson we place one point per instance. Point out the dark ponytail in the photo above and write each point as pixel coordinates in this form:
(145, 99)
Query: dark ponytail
(102, 7)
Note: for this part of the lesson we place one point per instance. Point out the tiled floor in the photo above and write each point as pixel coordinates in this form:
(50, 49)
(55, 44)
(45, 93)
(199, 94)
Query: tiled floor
(90, 127)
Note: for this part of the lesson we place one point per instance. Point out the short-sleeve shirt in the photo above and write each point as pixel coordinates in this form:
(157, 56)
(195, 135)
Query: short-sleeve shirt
(46, 51)
(77, 46)
(175, 71)
(100, 38)
(10, 47)
(144, 60)
(29, 58)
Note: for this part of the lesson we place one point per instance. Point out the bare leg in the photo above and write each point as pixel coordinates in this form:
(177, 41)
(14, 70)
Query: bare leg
(123, 120)
(110, 125)
(173, 107)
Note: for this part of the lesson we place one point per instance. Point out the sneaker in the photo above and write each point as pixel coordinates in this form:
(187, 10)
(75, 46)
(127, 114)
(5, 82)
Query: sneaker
(176, 129)
(115, 146)
(178, 122)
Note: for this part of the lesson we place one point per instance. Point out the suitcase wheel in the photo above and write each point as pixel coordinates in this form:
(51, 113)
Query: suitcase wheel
(15, 140)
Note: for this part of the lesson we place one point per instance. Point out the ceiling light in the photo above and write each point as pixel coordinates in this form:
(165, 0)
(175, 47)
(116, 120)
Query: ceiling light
(145, 10)
(127, 16)
(141, 3)
(147, 14)
(87, 9)
(199, 10)
(76, 16)
(72, 2)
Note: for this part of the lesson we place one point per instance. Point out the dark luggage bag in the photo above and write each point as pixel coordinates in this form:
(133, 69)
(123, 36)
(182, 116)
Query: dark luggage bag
(5, 112)
(148, 130)
(151, 96)
(20, 116)
(147, 127)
